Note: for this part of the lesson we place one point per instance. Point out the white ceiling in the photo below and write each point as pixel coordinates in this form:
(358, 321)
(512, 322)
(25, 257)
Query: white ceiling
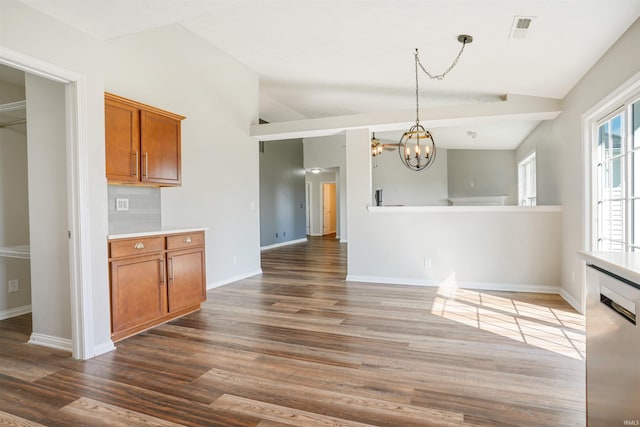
(321, 58)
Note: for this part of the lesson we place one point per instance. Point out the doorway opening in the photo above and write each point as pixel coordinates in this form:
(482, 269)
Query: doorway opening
(329, 218)
(76, 214)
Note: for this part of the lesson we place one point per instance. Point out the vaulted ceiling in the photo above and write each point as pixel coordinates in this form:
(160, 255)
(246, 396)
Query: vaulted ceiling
(322, 58)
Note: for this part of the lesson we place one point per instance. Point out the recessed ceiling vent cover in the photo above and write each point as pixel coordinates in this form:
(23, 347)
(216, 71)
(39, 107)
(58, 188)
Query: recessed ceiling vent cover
(521, 26)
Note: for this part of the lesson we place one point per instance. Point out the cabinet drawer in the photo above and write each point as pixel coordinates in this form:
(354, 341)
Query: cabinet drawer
(139, 246)
(187, 240)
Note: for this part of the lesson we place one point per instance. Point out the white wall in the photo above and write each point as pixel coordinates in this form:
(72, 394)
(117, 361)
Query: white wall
(46, 150)
(558, 145)
(14, 207)
(329, 152)
(175, 70)
(38, 36)
(491, 248)
(401, 186)
(480, 247)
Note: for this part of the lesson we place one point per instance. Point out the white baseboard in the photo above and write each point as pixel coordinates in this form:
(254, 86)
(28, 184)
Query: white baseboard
(232, 279)
(50, 341)
(103, 348)
(316, 234)
(485, 286)
(277, 245)
(571, 300)
(13, 312)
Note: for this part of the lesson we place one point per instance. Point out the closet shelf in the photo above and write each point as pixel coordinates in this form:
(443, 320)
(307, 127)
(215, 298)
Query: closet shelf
(13, 113)
(17, 251)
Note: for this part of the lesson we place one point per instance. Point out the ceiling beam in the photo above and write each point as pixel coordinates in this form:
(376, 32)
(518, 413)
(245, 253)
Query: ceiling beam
(509, 107)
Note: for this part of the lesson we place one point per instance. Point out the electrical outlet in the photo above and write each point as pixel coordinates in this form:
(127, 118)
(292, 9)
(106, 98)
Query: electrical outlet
(14, 286)
(122, 204)
(427, 263)
(284, 234)
(276, 235)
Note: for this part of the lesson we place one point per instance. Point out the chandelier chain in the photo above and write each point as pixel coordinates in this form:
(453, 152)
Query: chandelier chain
(453, 64)
(417, 93)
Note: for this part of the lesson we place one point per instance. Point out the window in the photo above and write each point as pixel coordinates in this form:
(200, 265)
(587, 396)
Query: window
(616, 180)
(527, 181)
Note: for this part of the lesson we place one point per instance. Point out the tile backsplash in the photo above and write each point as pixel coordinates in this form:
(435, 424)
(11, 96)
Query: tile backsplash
(144, 209)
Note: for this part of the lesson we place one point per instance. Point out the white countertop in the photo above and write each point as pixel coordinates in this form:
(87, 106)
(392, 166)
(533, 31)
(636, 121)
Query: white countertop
(155, 232)
(623, 264)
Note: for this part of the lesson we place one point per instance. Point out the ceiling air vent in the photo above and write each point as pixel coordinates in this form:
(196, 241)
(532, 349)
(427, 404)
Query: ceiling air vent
(521, 26)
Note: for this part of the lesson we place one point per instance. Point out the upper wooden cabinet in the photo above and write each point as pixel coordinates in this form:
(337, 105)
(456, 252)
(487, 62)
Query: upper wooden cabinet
(142, 143)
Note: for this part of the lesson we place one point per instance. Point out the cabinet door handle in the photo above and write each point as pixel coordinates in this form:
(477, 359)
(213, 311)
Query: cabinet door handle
(187, 240)
(139, 245)
(163, 271)
(145, 170)
(137, 165)
(171, 277)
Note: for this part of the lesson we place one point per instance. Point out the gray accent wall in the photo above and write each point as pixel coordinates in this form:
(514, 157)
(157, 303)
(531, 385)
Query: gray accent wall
(282, 192)
(144, 212)
(477, 173)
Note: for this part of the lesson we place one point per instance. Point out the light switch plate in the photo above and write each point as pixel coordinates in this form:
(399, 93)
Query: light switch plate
(122, 204)
(14, 286)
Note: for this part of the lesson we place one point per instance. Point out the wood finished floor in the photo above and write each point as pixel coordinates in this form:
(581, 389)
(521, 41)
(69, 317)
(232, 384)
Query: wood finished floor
(299, 346)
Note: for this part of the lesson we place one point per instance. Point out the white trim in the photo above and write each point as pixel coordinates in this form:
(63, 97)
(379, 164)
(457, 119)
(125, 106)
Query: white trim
(308, 213)
(52, 342)
(524, 184)
(607, 104)
(486, 286)
(103, 348)
(315, 235)
(454, 209)
(233, 279)
(13, 312)
(571, 300)
(77, 199)
(277, 245)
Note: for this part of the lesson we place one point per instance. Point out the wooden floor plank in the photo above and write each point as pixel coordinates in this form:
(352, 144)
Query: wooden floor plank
(10, 420)
(300, 346)
(280, 413)
(98, 413)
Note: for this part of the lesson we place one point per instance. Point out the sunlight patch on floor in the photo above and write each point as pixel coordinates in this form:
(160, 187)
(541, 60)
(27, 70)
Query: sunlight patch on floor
(557, 330)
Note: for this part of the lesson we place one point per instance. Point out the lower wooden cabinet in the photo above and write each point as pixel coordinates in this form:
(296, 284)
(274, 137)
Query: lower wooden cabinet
(154, 280)
(186, 273)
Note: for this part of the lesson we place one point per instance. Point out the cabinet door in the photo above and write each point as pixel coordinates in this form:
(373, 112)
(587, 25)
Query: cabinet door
(160, 148)
(122, 141)
(186, 284)
(138, 291)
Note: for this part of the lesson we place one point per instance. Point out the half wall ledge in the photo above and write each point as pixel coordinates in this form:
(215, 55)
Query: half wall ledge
(413, 209)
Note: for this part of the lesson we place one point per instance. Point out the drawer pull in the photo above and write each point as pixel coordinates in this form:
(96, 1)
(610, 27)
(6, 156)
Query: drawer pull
(139, 245)
(187, 240)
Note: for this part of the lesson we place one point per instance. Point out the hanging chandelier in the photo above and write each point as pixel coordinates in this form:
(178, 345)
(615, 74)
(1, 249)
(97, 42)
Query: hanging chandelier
(416, 148)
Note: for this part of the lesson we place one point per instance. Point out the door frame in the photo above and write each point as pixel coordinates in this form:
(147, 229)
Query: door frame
(307, 198)
(77, 192)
